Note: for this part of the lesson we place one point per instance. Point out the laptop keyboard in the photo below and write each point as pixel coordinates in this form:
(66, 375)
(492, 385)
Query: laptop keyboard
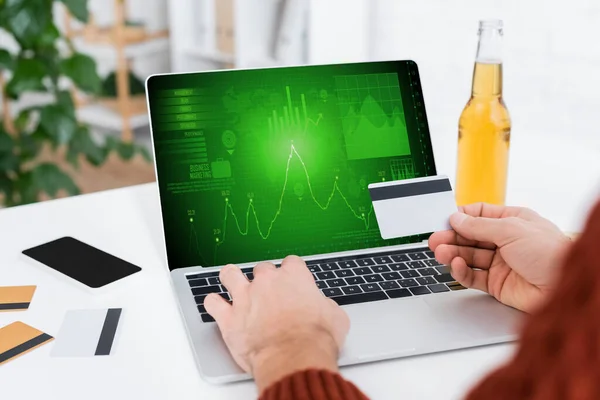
(352, 280)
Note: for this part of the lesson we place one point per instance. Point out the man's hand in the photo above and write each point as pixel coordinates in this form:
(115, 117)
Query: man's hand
(509, 252)
(280, 322)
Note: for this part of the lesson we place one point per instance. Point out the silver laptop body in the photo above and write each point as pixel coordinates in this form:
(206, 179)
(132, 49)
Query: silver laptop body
(392, 328)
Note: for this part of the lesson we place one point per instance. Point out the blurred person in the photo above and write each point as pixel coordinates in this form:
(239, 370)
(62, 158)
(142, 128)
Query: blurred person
(283, 331)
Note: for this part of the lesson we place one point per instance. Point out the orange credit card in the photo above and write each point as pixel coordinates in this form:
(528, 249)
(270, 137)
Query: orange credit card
(15, 298)
(18, 338)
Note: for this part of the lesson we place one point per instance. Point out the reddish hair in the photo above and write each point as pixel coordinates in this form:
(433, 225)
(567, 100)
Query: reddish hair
(558, 356)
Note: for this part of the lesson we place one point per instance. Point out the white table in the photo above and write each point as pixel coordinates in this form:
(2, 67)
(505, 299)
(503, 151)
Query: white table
(152, 358)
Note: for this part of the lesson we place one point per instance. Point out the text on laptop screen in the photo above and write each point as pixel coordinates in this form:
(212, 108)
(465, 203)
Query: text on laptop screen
(259, 164)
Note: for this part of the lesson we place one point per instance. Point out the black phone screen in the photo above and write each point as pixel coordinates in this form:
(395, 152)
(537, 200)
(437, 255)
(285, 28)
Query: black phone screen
(82, 262)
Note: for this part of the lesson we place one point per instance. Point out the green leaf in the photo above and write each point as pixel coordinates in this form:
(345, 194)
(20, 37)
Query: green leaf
(145, 153)
(48, 178)
(24, 122)
(110, 145)
(6, 187)
(83, 143)
(126, 150)
(82, 71)
(58, 123)
(23, 186)
(65, 101)
(27, 19)
(73, 158)
(109, 85)
(30, 144)
(8, 162)
(23, 119)
(49, 56)
(48, 37)
(78, 8)
(6, 60)
(7, 144)
(28, 76)
(3, 13)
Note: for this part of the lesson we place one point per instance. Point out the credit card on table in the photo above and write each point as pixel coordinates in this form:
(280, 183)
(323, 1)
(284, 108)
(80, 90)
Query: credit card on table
(18, 338)
(87, 333)
(413, 206)
(15, 298)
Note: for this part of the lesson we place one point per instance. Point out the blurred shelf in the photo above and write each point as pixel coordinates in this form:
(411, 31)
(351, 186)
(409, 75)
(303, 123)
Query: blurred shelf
(212, 55)
(107, 50)
(103, 116)
(131, 35)
(122, 41)
(137, 104)
(224, 58)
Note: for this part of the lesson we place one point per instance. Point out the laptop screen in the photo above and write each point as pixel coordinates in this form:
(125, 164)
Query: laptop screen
(258, 164)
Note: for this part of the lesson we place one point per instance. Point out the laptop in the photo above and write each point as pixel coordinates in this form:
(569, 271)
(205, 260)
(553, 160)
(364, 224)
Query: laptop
(253, 165)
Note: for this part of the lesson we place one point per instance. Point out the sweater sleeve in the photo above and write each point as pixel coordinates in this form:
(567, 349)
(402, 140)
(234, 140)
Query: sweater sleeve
(558, 356)
(313, 385)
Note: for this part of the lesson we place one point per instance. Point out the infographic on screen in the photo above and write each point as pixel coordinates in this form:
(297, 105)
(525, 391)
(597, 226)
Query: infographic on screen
(259, 164)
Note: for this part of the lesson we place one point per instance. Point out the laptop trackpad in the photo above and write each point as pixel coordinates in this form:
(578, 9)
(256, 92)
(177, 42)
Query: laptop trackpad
(397, 328)
(474, 315)
(391, 328)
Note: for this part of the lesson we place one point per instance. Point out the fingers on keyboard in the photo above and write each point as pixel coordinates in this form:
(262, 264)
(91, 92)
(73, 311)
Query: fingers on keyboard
(352, 281)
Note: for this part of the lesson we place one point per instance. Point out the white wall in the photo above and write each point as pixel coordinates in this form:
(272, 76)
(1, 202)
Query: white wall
(552, 58)
(339, 30)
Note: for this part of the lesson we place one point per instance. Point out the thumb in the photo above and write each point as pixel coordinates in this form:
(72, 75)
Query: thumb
(218, 308)
(498, 231)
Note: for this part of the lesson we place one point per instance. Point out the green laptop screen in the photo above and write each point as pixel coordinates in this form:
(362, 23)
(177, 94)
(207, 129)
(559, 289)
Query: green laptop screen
(258, 164)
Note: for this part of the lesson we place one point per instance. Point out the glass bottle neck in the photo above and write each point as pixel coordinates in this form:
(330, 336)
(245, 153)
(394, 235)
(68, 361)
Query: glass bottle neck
(487, 75)
(487, 80)
(489, 49)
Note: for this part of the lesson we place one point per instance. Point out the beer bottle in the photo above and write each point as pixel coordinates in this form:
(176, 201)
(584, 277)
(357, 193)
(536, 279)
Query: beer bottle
(484, 126)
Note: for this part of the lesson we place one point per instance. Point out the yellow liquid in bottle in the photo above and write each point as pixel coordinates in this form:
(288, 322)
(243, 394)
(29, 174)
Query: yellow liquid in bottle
(483, 140)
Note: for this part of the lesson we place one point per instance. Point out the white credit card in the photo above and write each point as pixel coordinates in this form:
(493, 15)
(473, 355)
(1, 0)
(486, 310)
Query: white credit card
(87, 333)
(413, 206)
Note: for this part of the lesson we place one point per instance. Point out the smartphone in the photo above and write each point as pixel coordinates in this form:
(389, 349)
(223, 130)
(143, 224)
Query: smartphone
(81, 262)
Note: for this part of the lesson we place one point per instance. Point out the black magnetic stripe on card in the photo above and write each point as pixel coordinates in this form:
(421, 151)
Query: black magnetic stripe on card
(14, 306)
(23, 347)
(107, 336)
(410, 189)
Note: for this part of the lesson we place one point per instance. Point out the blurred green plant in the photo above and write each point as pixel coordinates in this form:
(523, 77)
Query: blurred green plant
(44, 61)
(109, 85)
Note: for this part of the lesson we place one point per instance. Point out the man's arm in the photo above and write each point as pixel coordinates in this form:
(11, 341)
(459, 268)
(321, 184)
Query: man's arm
(559, 351)
(282, 330)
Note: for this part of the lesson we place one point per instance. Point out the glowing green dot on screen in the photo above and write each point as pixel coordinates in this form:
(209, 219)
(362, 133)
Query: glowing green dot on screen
(217, 240)
(191, 219)
(226, 199)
